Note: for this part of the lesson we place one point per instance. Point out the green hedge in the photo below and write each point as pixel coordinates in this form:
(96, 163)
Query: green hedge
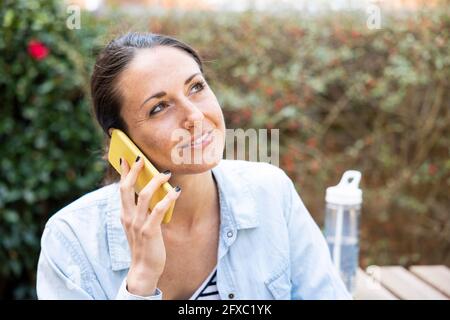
(345, 97)
(342, 96)
(49, 147)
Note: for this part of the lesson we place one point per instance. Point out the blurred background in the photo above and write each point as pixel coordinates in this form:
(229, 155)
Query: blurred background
(358, 85)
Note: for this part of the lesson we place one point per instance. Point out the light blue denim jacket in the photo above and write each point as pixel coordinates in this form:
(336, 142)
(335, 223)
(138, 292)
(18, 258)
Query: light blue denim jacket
(269, 245)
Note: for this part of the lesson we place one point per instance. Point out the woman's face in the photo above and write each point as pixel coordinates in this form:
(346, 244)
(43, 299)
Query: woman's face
(166, 103)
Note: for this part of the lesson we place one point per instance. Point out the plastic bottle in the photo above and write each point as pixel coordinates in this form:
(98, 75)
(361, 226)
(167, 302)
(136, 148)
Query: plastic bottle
(342, 214)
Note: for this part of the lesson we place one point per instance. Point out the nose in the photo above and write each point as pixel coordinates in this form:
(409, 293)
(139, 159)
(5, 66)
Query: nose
(194, 115)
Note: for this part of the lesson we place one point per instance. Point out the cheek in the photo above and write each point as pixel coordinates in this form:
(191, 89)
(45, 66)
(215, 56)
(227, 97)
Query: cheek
(213, 108)
(219, 117)
(151, 140)
(157, 148)
(160, 141)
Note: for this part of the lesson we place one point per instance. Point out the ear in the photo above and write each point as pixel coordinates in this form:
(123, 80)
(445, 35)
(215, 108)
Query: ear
(110, 131)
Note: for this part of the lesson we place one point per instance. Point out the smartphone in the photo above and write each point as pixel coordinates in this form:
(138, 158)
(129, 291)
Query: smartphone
(122, 146)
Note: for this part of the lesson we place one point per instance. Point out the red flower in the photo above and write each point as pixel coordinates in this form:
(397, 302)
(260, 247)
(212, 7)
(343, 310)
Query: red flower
(355, 34)
(269, 91)
(288, 163)
(279, 104)
(37, 50)
(312, 142)
(247, 114)
(432, 169)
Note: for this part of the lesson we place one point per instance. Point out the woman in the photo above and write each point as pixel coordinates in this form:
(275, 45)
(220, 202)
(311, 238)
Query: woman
(239, 230)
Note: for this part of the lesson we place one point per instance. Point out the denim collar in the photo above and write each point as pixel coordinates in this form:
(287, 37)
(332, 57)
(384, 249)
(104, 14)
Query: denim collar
(237, 211)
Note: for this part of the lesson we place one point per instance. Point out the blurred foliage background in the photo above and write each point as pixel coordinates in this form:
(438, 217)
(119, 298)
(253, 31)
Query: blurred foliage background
(343, 96)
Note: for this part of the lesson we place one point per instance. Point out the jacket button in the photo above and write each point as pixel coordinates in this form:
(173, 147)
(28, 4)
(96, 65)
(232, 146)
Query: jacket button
(230, 234)
(231, 296)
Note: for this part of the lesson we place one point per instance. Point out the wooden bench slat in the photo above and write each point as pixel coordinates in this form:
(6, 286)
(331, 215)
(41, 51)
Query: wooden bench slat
(405, 285)
(367, 288)
(437, 276)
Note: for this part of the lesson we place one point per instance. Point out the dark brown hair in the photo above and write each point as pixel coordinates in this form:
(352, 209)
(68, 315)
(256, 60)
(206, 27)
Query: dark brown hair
(112, 60)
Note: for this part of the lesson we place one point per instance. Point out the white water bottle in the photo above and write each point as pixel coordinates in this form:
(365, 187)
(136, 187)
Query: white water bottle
(343, 208)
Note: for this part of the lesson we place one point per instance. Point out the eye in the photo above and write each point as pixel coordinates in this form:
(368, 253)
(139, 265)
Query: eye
(158, 108)
(199, 85)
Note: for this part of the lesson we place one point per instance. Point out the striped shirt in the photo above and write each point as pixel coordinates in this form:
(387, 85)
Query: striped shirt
(208, 289)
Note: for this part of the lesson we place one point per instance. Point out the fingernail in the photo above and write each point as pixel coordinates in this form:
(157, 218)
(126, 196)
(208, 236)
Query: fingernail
(167, 172)
(137, 159)
(120, 161)
(177, 189)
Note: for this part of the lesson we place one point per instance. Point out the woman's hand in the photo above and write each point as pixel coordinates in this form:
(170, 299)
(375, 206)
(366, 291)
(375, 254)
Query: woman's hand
(143, 230)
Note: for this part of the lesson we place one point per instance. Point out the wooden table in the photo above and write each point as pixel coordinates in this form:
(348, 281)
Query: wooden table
(396, 282)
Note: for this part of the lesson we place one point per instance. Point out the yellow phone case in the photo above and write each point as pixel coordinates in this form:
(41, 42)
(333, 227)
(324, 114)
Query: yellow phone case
(122, 146)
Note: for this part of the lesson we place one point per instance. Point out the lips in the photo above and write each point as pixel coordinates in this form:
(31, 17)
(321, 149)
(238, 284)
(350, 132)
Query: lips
(198, 140)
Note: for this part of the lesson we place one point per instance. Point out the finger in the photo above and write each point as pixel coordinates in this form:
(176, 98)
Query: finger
(147, 193)
(127, 203)
(157, 214)
(127, 206)
(127, 186)
(124, 168)
(125, 219)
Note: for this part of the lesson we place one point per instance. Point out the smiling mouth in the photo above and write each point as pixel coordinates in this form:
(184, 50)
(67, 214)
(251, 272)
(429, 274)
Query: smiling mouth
(199, 141)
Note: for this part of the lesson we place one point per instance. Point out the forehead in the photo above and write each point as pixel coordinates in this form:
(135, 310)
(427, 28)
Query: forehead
(159, 64)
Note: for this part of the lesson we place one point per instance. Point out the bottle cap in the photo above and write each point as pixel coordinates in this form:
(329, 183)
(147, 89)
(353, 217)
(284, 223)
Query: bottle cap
(347, 192)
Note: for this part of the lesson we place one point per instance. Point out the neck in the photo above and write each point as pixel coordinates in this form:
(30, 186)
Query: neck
(197, 203)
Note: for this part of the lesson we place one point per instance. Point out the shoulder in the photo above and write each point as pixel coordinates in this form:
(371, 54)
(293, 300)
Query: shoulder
(256, 173)
(85, 215)
(78, 233)
(263, 179)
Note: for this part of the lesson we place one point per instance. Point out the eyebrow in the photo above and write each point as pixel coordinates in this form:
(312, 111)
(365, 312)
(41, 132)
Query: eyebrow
(162, 93)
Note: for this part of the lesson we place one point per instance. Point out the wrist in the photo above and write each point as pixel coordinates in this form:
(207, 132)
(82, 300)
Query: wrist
(141, 284)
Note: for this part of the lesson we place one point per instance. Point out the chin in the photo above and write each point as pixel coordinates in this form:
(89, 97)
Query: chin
(194, 168)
